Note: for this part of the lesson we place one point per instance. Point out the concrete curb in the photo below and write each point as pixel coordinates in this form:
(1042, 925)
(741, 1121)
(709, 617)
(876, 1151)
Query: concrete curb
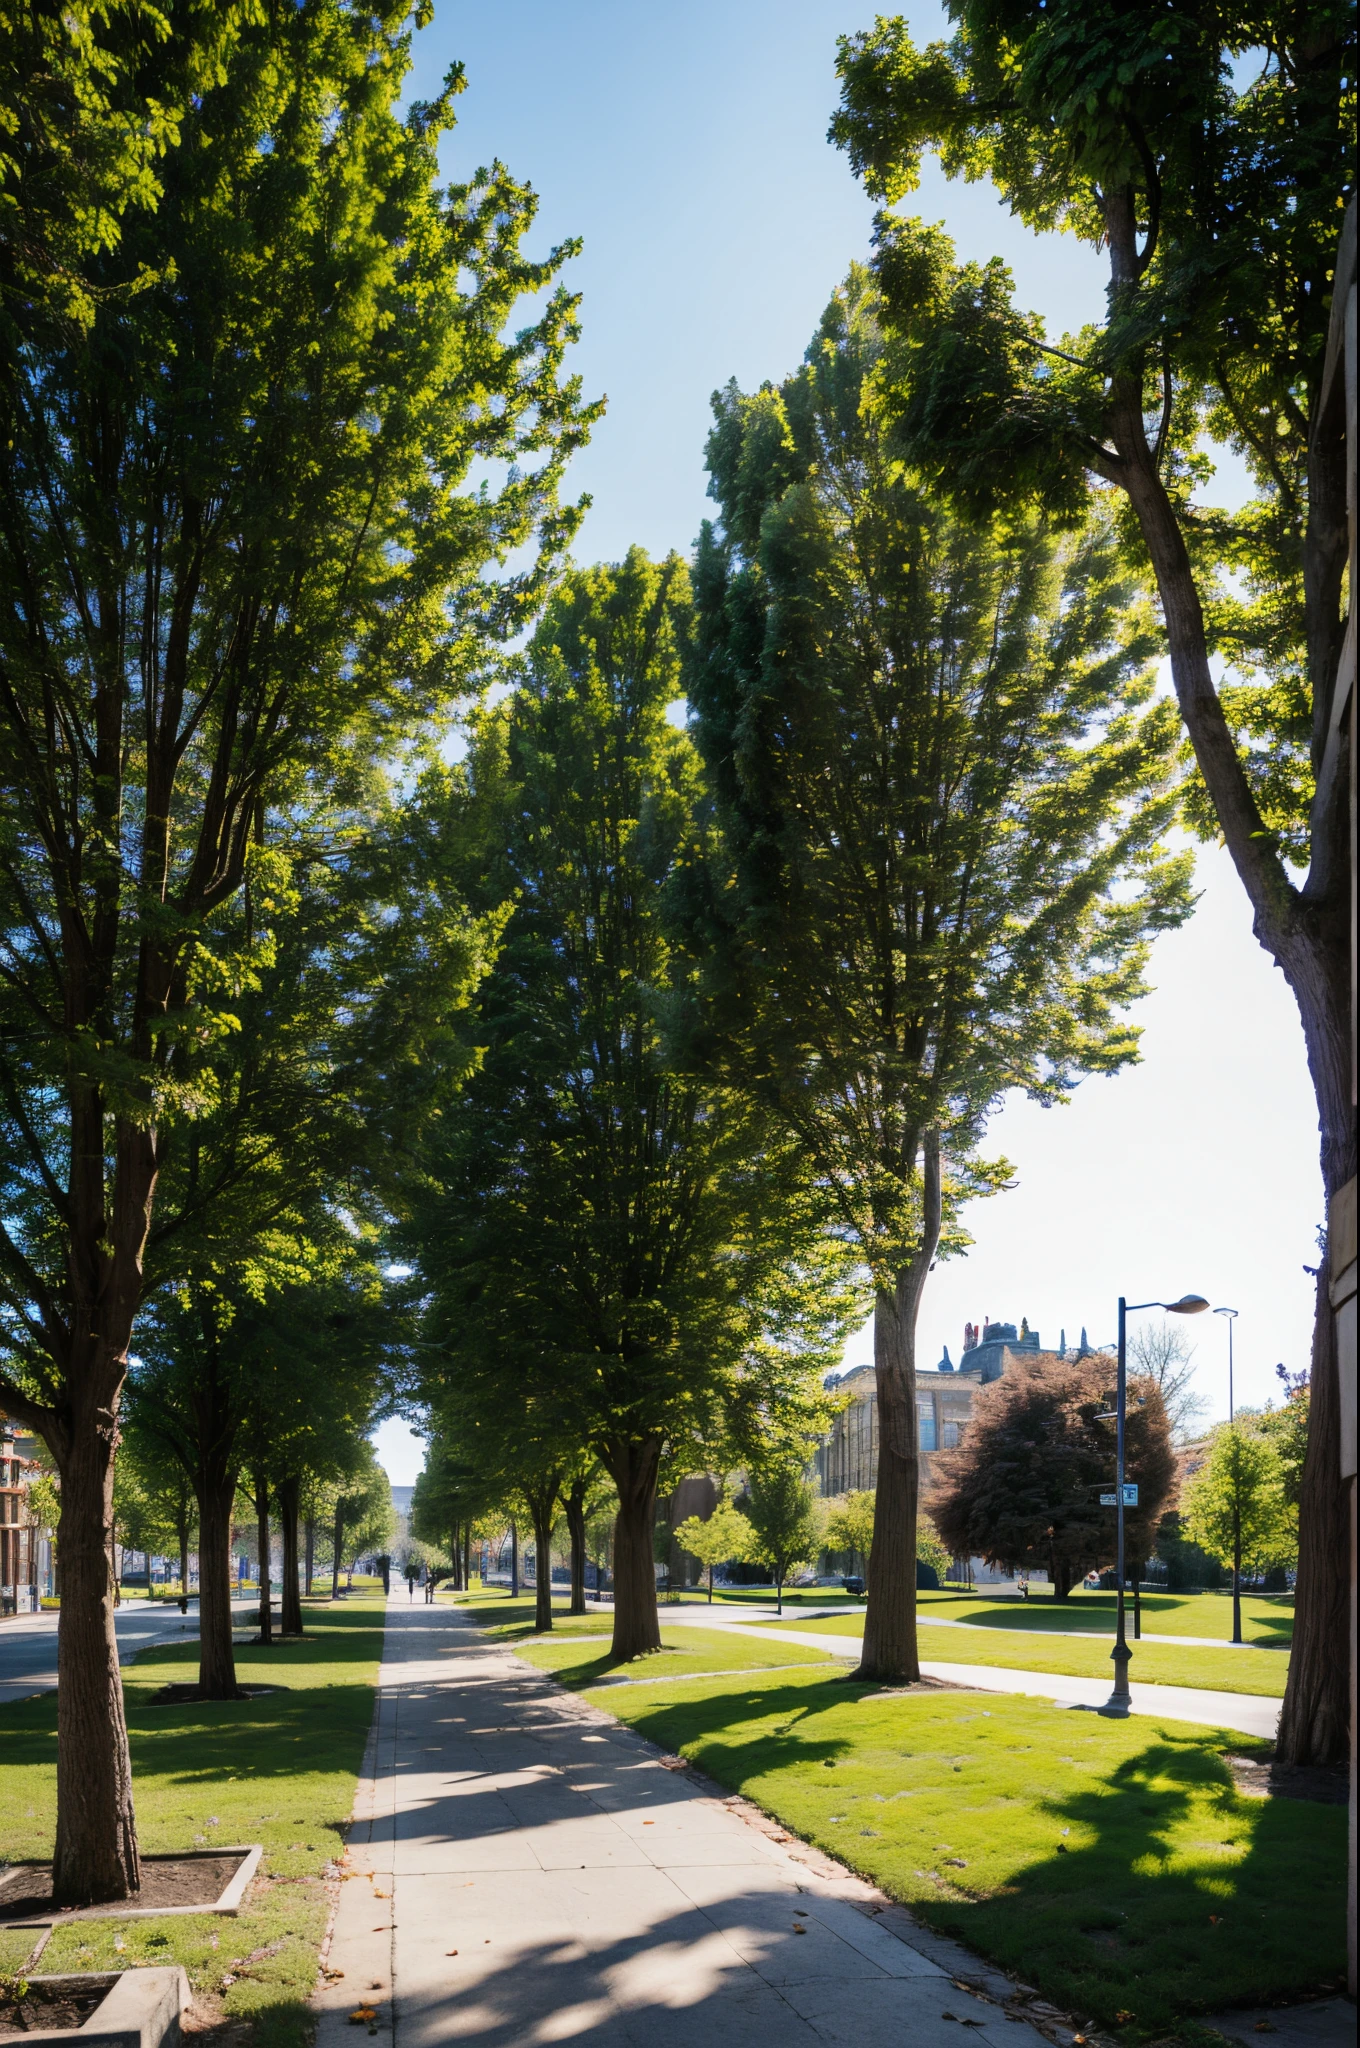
(141, 2009)
(228, 1904)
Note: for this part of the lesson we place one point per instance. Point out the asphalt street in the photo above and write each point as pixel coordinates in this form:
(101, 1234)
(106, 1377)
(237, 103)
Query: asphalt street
(28, 1643)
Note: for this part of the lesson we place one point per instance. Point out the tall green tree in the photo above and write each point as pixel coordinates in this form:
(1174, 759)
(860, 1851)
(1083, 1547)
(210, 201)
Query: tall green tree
(632, 1256)
(270, 1388)
(941, 781)
(240, 555)
(725, 1537)
(1208, 155)
(786, 1523)
(1234, 1507)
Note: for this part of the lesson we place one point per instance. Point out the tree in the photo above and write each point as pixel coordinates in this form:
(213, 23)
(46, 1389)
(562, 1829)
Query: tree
(638, 1254)
(154, 1503)
(1234, 1506)
(724, 1538)
(941, 784)
(449, 1496)
(1217, 211)
(1286, 1428)
(282, 1386)
(849, 1526)
(784, 1513)
(1161, 1352)
(240, 556)
(850, 1523)
(364, 1517)
(1022, 1489)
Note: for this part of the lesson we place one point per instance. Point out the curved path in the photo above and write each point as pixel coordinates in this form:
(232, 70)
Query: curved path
(1247, 1713)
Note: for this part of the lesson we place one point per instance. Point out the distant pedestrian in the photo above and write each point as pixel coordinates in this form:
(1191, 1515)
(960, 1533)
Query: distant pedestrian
(410, 1585)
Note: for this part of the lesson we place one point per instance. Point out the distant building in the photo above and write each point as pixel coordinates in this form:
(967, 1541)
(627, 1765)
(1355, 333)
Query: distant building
(25, 1552)
(847, 1458)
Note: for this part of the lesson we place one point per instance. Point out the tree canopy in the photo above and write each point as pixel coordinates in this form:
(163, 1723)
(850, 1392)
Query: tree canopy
(250, 351)
(640, 1253)
(940, 783)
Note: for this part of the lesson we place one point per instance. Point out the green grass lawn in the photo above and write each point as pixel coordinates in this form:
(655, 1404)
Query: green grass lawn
(577, 1650)
(684, 1651)
(280, 1770)
(1112, 1863)
(1253, 1671)
(1267, 1618)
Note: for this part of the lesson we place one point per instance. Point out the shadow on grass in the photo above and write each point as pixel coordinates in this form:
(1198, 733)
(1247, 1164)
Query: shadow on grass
(1182, 1896)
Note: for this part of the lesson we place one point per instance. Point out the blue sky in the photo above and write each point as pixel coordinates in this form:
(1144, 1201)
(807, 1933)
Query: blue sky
(686, 146)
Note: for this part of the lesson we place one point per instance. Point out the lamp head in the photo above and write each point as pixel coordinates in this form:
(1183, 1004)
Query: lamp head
(1188, 1305)
(1225, 1311)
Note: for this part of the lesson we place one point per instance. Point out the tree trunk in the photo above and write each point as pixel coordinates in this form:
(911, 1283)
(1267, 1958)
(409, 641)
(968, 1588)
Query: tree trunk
(216, 1492)
(633, 1467)
(95, 1859)
(288, 1494)
(262, 1540)
(467, 1557)
(574, 1505)
(184, 1564)
(1307, 933)
(542, 1501)
(1315, 1718)
(309, 1553)
(890, 1655)
(514, 1560)
(339, 1534)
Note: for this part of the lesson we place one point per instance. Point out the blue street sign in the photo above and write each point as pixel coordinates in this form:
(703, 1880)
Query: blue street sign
(1130, 1496)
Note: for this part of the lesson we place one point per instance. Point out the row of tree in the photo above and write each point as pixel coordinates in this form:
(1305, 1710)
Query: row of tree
(655, 1052)
(251, 351)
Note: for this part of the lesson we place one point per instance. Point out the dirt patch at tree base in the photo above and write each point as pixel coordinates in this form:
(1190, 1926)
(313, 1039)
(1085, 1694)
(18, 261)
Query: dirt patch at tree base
(191, 1695)
(43, 2006)
(26, 1888)
(1263, 1777)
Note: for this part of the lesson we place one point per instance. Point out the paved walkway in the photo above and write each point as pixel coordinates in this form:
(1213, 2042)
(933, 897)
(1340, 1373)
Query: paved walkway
(523, 1870)
(1247, 1713)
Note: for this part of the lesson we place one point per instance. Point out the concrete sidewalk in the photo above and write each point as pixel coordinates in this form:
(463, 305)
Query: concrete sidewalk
(1247, 1713)
(524, 1870)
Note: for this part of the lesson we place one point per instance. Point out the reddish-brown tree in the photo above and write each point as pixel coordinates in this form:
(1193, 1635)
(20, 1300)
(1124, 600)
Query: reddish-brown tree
(1023, 1488)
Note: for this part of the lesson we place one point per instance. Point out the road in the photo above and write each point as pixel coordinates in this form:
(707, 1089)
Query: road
(28, 1643)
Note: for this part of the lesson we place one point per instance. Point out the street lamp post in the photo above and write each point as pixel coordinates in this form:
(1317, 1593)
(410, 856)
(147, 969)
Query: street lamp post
(1188, 1305)
(1231, 1314)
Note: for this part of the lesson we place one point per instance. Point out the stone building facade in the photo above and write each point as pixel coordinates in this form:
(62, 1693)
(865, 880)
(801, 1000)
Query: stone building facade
(24, 1551)
(847, 1458)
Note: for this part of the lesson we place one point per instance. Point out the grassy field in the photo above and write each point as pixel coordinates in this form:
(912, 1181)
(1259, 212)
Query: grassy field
(1228, 1670)
(1267, 1618)
(280, 1770)
(1112, 1863)
(581, 1660)
(577, 1651)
